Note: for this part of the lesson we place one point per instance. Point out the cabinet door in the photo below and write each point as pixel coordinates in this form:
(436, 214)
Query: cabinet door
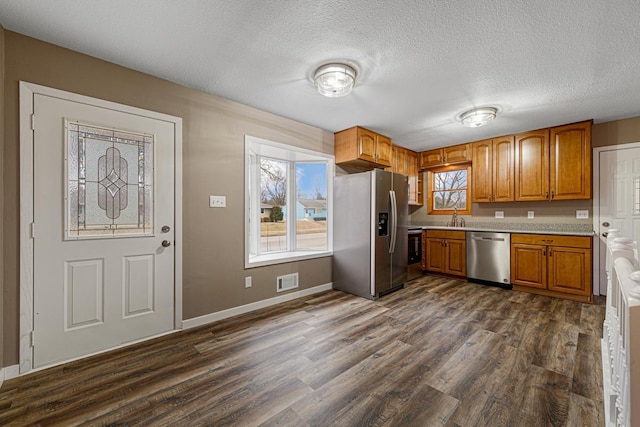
(457, 153)
(503, 174)
(456, 257)
(570, 162)
(435, 255)
(383, 150)
(431, 158)
(570, 270)
(532, 166)
(367, 145)
(481, 171)
(529, 265)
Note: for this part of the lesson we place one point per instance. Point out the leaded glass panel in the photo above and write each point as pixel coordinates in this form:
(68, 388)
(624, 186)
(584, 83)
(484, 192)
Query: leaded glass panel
(110, 182)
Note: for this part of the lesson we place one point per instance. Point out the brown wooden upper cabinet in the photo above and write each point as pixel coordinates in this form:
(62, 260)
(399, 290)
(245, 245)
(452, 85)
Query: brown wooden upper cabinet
(554, 164)
(445, 156)
(532, 165)
(361, 148)
(570, 161)
(405, 162)
(492, 171)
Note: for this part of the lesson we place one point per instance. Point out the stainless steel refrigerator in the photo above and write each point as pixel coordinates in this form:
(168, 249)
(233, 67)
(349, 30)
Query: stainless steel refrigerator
(370, 252)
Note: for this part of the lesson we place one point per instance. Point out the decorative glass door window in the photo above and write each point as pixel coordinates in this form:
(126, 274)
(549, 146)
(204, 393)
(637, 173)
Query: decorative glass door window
(110, 182)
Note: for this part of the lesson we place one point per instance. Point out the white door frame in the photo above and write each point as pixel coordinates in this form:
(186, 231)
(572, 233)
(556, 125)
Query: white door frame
(27, 93)
(596, 206)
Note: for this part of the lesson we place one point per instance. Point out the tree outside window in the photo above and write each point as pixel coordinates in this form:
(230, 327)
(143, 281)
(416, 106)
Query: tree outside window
(448, 189)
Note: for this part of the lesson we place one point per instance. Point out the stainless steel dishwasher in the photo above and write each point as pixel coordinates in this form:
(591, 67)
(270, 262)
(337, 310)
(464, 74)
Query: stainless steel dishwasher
(489, 258)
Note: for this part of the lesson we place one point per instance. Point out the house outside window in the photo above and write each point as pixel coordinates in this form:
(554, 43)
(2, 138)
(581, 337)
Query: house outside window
(287, 193)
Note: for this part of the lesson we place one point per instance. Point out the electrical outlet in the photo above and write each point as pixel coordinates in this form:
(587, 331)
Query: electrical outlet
(530, 214)
(582, 214)
(499, 214)
(247, 282)
(217, 201)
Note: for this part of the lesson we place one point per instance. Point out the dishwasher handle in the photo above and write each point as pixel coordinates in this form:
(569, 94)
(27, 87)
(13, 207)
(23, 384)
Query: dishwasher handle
(492, 239)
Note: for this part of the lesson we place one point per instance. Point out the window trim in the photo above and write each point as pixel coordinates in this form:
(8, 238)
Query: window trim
(430, 190)
(256, 147)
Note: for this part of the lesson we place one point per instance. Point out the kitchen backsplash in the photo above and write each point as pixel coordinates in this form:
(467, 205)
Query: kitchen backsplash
(547, 215)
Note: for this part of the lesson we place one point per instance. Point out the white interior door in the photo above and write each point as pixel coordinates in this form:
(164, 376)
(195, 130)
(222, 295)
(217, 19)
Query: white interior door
(103, 239)
(618, 196)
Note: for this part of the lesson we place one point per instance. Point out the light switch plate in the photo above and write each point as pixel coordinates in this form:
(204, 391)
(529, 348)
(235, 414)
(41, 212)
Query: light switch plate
(582, 214)
(499, 214)
(530, 214)
(247, 282)
(217, 201)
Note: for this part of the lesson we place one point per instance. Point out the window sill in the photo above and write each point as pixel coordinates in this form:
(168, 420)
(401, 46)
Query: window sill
(283, 257)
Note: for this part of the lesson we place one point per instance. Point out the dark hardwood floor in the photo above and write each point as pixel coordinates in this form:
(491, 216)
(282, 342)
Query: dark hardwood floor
(439, 352)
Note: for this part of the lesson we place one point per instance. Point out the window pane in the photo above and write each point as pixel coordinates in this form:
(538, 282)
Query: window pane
(453, 180)
(273, 199)
(447, 200)
(311, 206)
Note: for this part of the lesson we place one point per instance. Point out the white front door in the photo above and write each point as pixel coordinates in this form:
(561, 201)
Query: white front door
(103, 234)
(618, 196)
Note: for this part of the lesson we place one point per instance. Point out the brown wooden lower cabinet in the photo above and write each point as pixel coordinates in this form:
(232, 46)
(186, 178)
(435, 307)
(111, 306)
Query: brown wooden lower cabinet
(552, 265)
(444, 252)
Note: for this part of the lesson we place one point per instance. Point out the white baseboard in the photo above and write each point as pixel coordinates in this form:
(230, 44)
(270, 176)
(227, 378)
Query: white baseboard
(9, 372)
(212, 317)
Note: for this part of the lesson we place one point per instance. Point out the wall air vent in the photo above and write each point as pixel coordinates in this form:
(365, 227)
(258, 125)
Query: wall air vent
(286, 282)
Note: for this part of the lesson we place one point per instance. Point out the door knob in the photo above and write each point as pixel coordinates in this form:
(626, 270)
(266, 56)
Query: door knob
(166, 243)
(605, 234)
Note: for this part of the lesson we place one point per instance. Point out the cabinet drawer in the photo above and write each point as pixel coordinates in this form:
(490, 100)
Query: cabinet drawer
(552, 240)
(446, 234)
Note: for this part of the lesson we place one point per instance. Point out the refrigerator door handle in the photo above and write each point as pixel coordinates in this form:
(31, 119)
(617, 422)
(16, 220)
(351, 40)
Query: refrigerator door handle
(394, 221)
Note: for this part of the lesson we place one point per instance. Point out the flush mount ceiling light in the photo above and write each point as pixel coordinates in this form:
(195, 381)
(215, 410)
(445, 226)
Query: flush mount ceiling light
(478, 117)
(334, 80)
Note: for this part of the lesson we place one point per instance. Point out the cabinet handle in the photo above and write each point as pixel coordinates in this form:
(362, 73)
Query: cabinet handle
(544, 252)
(444, 158)
(552, 195)
(550, 252)
(546, 195)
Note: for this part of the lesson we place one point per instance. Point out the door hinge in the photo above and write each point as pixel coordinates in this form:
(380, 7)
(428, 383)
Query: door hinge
(33, 338)
(33, 122)
(33, 230)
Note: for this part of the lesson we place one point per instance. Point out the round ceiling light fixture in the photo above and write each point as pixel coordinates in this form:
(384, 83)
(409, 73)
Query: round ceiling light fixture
(478, 116)
(334, 80)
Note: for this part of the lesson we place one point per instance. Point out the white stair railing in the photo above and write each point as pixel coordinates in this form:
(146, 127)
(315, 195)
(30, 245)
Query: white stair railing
(621, 333)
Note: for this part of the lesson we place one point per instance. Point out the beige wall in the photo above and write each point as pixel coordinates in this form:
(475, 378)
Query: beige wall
(616, 132)
(213, 153)
(2, 311)
(559, 211)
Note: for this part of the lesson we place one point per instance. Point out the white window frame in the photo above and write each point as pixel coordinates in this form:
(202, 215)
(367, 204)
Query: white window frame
(255, 148)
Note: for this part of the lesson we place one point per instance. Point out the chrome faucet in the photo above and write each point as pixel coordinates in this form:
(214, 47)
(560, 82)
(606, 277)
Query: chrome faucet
(456, 221)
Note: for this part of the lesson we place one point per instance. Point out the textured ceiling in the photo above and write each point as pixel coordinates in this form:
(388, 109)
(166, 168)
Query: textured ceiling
(420, 63)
